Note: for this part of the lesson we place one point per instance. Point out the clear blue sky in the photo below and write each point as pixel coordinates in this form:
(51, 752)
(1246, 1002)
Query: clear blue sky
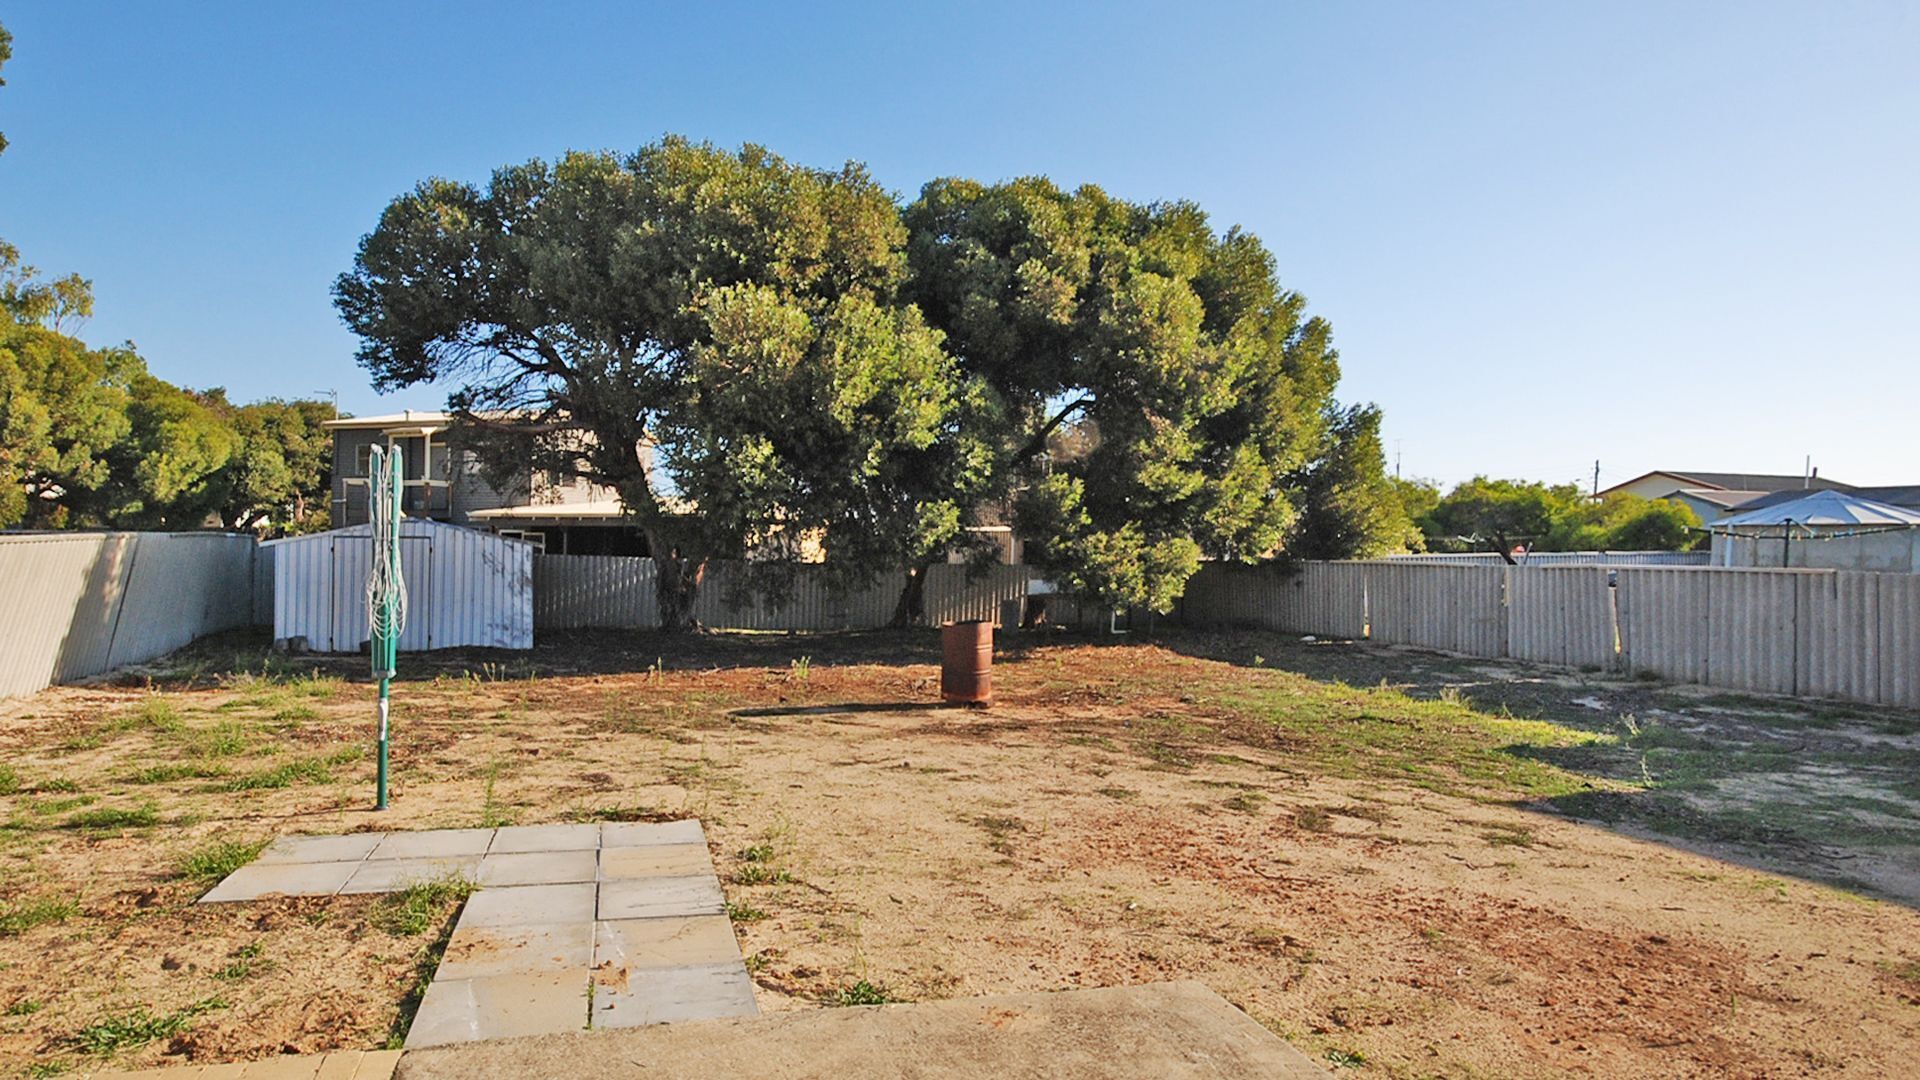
(1661, 235)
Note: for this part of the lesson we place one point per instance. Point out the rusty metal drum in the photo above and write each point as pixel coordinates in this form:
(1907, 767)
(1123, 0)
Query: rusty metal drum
(966, 668)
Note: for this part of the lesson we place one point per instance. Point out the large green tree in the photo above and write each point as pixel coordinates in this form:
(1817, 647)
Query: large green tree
(730, 315)
(63, 407)
(1199, 385)
(1350, 507)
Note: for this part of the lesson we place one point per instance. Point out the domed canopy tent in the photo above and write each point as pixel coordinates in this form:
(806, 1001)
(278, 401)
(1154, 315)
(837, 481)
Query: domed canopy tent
(1831, 530)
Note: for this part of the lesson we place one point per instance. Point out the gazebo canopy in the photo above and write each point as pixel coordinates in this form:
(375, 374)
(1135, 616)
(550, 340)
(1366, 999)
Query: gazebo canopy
(1828, 508)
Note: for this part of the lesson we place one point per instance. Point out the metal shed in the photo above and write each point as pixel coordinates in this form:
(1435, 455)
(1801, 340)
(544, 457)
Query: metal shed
(463, 588)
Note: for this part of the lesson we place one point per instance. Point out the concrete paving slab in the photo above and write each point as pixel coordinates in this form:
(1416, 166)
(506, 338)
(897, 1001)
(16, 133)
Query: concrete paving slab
(672, 995)
(518, 838)
(530, 905)
(661, 897)
(644, 944)
(310, 849)
(619, 834)
(284, 1067)
(538, 867)
(1165, 1031)
(254, 881)
(659, 860)
(499, 1007)
(480, 951)
(433, 844)
(392, 875)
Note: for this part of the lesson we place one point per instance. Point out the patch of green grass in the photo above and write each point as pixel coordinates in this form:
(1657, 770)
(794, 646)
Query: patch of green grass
(49, 807)
(177, 770)
(246, 961)
(861, 993)
(412, 910)
(138, 1027)
(761, 874)
(49, 1067)
(739, 912)
(114, 818)
(154, 714)
(9, 780)
(58, 784)
(225, 739)
(758, 853)
(283, 775)
(213, 861)
(25, 1007)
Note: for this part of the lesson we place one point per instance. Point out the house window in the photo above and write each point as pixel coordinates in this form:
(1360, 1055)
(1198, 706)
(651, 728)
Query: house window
(362, 459)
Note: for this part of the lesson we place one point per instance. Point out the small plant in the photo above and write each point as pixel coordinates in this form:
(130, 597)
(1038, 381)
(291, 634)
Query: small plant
(744, 912)
(1246, 802)
(1116, 792)
(177, 770)
(112, 818)
(213, 861)
(1313, 819)
(159, 714)
(761, 874)
(62, 785)
(139, 1027)
(306, 771)
(1509, 836)
(758, 962)
(861, 993)
(245, 962)
(50, 1067)
(491, 815)
(759, 853)
(9, 780)
(657, 671)
(414, 909)
(799, 668)
(1346, 1059)
(25, 1007)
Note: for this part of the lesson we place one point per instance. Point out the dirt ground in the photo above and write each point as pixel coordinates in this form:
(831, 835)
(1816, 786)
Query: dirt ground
(1407, 864)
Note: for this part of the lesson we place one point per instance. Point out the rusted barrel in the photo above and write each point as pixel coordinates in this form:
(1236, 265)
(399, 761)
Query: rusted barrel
(966, 667)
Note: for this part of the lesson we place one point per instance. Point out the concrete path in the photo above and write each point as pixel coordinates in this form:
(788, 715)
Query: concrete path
(614, 925)
(1164, 1031)
(344, 1065)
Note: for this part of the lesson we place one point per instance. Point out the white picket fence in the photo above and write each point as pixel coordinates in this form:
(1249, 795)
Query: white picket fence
(1816, 633)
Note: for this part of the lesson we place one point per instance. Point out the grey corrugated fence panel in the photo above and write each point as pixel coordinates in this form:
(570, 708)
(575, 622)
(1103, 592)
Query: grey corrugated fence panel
(602, 592)
(1459, 609)
(1663, 621)
(1750, 629)
(1331, 601)
(1234, 594)
(182, 586)
(956, 595)
(1833, 613)
(1562, 558)
(262, 585)
(464, 587)
(1561, 615)
(1895, 637)
(82, 604)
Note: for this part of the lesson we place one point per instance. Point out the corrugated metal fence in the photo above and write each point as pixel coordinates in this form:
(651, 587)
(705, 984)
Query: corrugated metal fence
(1563, 558)
(83, 603)
(617, 592)
(1816, 633)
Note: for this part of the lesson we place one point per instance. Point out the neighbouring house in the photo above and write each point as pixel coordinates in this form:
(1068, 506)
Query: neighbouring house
(443, 484)
(1821, 530)
(1715, 495)
(558, 517)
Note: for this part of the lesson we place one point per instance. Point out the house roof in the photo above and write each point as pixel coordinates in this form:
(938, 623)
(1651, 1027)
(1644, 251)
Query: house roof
(1725, 500)
(1834, 508)
(1698, 479)
(1906, 496)
(426, 417)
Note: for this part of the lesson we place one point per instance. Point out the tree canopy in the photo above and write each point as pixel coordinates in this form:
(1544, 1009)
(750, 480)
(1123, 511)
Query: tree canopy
(1498, 515)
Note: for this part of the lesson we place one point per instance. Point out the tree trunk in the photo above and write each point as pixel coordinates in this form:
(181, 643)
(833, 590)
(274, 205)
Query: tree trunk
(676, 585)
(912, 608)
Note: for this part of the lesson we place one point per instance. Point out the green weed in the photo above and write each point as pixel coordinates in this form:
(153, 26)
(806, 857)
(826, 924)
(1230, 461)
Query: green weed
(9, 780)
(739, 912)
(861, 993)
(413, 910)
(25, 1007)
(761, 874)
(139, 1027)
(20, 916)
(213, 861)
(113, 818)
(287, 774)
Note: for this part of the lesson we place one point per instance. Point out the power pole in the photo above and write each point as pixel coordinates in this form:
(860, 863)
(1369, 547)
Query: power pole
(1596, 478)
(1396, 459)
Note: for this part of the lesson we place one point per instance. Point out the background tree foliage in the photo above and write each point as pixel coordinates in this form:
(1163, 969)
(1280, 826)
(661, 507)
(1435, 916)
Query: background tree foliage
(1498, 515)
(733, 314)
(1199, 391)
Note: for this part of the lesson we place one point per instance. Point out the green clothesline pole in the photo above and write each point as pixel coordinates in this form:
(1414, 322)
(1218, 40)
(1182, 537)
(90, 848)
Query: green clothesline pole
(386, 590)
